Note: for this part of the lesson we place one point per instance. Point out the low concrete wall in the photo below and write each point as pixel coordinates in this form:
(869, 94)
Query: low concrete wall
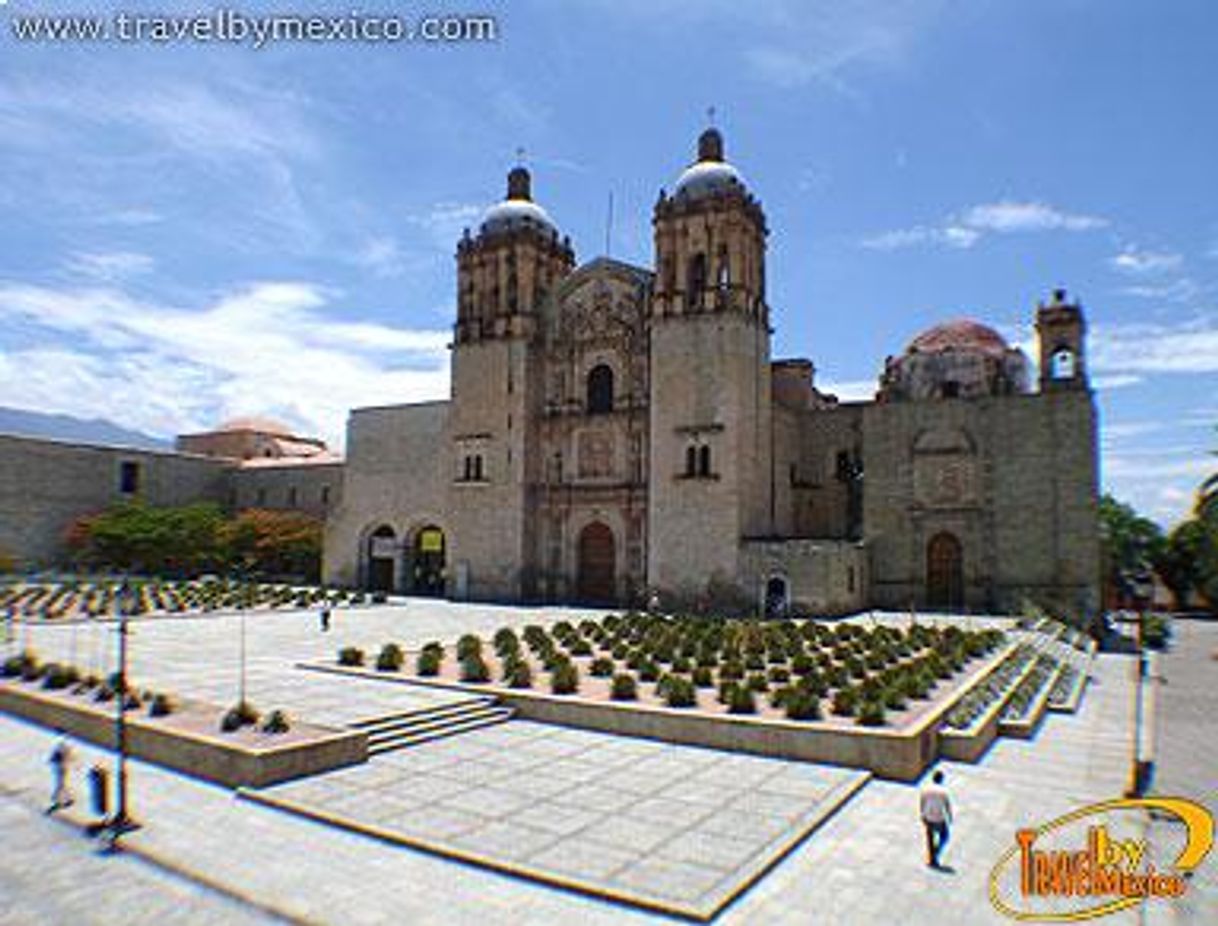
(899, 754)
(210, 758)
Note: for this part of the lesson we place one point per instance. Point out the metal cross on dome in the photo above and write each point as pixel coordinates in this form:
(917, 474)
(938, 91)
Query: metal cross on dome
(710, 115)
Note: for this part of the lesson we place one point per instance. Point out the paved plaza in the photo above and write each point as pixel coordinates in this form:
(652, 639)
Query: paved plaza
(481, 792)
(660, 824)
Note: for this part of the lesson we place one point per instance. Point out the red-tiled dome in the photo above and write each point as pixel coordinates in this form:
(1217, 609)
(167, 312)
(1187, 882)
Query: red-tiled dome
(961, 334)
(260, 425)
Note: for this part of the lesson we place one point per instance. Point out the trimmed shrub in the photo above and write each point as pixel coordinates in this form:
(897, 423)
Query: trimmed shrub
(350, 656)
(276, 722)
(161, 706)
(845, 701)
(564, 679)
(757, 682)
(474, 669)
(624, 688)
(894, 699)
(871, 714)
(731, 671)
(703, 677)
(519, 675)
(237, 717)
(602, 667)
(506, 641)
(801, 704)
(649, 671)
(741, 701)
(778, 674)
(428, 662)
(580, 647)
(678, 691)
(468, 645)
(390, 658)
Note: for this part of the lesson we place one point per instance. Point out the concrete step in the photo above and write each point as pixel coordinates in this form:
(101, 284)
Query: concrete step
(400, 738)
(402, 718)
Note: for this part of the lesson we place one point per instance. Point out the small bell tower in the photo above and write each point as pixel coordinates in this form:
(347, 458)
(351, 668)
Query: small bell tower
(1061, 330)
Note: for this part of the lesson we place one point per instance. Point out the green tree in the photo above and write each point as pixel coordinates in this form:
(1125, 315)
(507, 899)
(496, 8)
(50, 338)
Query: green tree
(1180, 561)
(1129, 542)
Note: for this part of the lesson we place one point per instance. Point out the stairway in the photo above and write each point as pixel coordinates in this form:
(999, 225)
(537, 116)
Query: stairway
(409, 728)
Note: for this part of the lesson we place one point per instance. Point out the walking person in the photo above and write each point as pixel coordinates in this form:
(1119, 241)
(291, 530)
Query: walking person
(936, 807)
(325, 618)
(61, 769)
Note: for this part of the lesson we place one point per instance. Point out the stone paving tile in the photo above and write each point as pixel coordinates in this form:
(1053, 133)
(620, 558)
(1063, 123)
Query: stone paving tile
(626, 833)
(561, 819)
(744, 825)
(676, 813)
(491, 802)
(595, 863)
(723, 853)
(677, 881)
(508, 841)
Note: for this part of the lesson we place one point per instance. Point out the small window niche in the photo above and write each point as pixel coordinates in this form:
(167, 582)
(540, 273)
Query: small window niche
(1062, 365)
(129, 477)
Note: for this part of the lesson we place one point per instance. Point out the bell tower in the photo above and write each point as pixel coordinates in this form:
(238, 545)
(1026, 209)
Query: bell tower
(710, 441)
(504, 274)
(1061, 329)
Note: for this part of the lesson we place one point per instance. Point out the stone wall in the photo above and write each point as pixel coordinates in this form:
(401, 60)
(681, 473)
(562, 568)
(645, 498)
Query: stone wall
(313, 488)
(45, 485)
(824, 576)
(397, 475)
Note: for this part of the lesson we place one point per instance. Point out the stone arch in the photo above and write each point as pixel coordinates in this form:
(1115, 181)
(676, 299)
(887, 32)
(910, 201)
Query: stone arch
(1063, 364)
(427, 566)
(378, 558)
(776, 596)
(945, 571)
(600, 383)
(596, 563)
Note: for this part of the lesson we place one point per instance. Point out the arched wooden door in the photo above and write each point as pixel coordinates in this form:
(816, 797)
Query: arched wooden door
(597, 564)
(382, 551)
(944, 572)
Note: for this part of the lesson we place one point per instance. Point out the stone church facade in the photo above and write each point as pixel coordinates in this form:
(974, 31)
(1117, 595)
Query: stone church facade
(617, 430)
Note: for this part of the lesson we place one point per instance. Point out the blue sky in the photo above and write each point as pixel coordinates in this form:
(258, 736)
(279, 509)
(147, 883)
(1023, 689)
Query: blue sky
(196, 231)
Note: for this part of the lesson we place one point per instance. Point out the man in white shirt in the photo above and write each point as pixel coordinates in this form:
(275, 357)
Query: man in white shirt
(936, 816)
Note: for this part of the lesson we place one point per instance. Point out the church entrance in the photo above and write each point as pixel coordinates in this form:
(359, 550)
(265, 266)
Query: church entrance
(944, 572)
(427, 575)
(776, 597)
(596, 582)
(382, 551)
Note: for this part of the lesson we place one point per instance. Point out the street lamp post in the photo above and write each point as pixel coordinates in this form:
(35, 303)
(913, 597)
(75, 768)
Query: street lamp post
(1142, 586)
(121, 821)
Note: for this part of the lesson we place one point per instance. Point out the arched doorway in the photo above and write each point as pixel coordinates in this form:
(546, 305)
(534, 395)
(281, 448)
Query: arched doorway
(382, 551)
(944, 572)
(776, 596)
(596, 582)
(427, 566)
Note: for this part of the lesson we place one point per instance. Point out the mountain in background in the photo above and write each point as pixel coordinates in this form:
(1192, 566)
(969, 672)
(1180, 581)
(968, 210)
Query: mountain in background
(66, 428)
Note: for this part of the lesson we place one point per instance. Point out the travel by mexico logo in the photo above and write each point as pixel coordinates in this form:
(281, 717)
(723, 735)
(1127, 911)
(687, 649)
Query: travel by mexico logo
(1097, 861)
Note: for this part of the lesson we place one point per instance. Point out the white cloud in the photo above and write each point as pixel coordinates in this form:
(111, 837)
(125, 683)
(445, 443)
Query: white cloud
(382, 256)
(1010, 216)
(855, 390)
(967, 227)
(1145, 348)
(109, 266)
(1116, 381)
(1143, 263)
(269, 348)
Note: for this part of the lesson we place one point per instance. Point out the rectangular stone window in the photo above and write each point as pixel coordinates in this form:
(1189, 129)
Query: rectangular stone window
(128, 477)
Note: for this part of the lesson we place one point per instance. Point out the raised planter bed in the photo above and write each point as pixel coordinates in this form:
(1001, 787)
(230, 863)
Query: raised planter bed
(1037, 685)
(188, 740)
(969, 742)
(900, 753)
